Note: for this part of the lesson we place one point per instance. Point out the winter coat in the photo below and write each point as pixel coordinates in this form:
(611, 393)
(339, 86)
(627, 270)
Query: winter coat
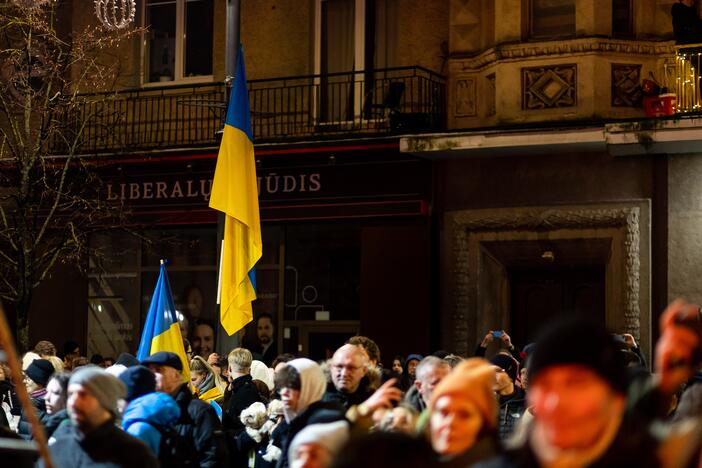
(105, 446)
(145, 414)
(198, 422)
(347, 400)
(317, 412)
(368, 384)
(511, 410)
(25, 428)
(54, 421)
(310, 409)
(241, 394)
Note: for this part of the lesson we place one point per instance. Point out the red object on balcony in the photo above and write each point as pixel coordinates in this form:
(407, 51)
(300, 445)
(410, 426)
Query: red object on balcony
(660, 106)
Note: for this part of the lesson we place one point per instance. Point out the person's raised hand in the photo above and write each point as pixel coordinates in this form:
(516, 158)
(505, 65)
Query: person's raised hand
(212, 359)
(629, 341)
(677, 346)
(487, 339)
(384, 397)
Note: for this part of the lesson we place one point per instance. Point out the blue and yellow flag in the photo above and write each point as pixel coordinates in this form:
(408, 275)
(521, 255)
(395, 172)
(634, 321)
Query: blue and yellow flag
(161, 329)
(235, 192)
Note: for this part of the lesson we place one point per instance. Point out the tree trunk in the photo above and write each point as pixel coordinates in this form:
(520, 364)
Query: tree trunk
(22, 322)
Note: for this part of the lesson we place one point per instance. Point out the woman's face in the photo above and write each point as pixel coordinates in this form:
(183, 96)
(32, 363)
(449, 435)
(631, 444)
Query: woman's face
(54, 399)
(455, 424)
(196, 378)
(397, 366)
(411, 366)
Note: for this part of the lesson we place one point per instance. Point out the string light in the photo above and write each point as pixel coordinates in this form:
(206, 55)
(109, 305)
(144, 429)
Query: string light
(115, 14)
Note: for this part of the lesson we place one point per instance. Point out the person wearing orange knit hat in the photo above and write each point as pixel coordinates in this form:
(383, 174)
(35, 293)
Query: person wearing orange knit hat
(463, 414)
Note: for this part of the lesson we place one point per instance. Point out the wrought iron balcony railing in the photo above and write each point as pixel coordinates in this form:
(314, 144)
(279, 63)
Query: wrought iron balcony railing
(407, 99)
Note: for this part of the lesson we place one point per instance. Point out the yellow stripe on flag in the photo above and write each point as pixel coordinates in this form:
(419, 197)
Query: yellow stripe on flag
(235, 192)
(172, 341)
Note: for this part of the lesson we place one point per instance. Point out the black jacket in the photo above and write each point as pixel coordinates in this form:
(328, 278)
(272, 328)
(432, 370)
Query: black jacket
(241, 394)
(269, 356)
(347, 400)
(317, 412)
(106, 446)
(24, 427)
(511, 410)
(199, 422)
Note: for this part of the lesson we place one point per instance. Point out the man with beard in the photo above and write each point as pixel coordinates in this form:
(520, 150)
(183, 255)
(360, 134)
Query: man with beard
(94, 439)
(265, 331)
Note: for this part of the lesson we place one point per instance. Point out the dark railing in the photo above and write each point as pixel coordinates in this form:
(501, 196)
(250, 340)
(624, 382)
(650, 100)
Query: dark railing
(407, 99)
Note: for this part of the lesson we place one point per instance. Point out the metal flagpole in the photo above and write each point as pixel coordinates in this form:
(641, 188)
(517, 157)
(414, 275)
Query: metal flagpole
(226, 343)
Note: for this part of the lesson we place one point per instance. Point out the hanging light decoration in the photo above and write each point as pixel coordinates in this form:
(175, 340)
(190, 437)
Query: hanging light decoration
(115, 14)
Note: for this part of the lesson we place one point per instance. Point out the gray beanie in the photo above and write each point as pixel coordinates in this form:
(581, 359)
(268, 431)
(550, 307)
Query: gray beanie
(107, 388)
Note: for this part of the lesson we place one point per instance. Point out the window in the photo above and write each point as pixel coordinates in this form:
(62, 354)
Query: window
(552, 18)
(352, 36)
(178, 42)
(622, 21)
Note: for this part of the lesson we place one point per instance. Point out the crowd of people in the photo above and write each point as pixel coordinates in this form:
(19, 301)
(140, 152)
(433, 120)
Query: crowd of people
(579, 396)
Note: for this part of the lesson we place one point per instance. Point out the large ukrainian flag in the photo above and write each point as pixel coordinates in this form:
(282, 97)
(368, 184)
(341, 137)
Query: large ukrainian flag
(161, 329)
(235, 192)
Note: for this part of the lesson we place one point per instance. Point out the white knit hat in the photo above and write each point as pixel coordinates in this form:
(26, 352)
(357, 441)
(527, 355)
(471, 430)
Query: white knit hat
(332, 436)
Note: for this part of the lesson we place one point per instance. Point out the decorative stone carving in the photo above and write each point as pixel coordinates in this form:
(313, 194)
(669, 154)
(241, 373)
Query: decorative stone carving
(565, 48)
(549, 87)
(465, 98)
(491, 95)
(466, 223)
(626, 85)
(464, 27)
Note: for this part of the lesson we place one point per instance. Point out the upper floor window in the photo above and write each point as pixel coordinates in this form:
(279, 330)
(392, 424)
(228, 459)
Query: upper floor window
(178, 42)
(622, 18)
(551, 18)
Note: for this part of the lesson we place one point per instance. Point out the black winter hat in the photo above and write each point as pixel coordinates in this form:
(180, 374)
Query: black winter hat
(164, 358)
(579, 341)
(139, 381)
(507, 363)
(127, 360)
(40, 371)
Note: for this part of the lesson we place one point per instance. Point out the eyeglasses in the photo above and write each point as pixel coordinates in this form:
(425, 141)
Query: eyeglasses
(349, 368)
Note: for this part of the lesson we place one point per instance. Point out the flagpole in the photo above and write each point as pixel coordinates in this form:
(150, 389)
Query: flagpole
(226, 343)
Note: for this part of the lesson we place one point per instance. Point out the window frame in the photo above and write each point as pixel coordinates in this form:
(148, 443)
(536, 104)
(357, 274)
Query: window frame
(179, 68)
(631, 32)
(528, 24)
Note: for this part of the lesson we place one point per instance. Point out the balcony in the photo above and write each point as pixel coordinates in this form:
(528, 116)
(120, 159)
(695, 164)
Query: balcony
(682, 78)
(372, 103)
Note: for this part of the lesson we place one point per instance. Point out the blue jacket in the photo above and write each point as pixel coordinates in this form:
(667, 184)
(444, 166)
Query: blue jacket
(157, 408)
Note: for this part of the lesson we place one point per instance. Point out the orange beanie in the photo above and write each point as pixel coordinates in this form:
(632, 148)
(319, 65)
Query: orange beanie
(473, 379)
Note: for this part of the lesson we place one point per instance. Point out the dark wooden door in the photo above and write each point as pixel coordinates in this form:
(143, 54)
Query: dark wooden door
(540, 296)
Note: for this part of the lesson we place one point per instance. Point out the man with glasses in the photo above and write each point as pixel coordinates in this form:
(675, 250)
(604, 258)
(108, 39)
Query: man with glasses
(350, 384)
